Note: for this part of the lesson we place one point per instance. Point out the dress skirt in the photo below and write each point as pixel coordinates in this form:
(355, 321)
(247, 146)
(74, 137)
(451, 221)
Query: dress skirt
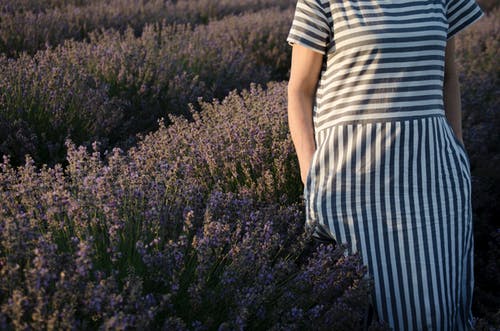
(398, 192)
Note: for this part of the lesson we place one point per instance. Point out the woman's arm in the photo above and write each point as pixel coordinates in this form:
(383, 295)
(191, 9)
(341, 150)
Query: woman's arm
(304, 75)
(451, 90)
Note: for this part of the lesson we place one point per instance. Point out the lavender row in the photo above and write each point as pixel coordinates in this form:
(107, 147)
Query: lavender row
(479, 67)
(190, 230)
(16, 6)
(31, 30)
(118, 84)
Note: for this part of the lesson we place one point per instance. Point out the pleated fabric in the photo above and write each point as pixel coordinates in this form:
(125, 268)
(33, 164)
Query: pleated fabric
(401, 198)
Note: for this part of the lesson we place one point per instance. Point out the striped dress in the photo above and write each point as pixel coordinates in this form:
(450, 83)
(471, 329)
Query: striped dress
(389, 177)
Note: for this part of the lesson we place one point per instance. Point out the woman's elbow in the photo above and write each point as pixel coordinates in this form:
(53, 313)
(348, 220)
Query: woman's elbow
(300, 89)
(450, 67)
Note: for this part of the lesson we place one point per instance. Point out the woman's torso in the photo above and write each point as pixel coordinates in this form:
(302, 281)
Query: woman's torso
(384, 59)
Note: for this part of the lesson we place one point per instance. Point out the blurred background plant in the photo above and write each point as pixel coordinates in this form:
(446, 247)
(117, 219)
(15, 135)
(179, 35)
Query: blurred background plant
(479, 66)
(31, 25)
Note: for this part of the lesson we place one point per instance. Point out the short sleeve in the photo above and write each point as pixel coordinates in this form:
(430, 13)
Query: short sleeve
(460, 14)
(310, 26)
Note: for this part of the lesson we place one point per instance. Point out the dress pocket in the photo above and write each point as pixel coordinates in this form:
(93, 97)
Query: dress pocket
(310, 215)
(456, 140)
(459, 143)
(308, 179)
(320, 232)
(308, 176)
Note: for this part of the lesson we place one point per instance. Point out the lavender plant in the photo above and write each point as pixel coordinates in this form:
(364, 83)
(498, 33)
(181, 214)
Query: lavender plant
(199, 226)
(479, 74)
(119, 84)
(14, 6)
(32, 25)
(480, 78)
(140, 239)
(239, 144)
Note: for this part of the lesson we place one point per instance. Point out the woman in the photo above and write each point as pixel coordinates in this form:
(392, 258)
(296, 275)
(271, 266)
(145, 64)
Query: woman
(375, 117)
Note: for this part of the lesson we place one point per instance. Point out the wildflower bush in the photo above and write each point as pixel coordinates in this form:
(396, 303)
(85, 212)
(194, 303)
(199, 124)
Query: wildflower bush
(190, 229)
(479, 66)
(31, 25)
(118, 84)
(241, 144)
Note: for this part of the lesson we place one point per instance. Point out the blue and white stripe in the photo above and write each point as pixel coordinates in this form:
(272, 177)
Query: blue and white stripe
(389, 177)
(398, 192)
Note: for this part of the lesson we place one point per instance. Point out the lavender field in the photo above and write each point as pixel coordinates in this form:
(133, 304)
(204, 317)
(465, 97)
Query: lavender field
(149, 180)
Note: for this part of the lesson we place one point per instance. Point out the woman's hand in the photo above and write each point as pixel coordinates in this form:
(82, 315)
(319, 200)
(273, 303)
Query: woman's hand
(304, 75)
